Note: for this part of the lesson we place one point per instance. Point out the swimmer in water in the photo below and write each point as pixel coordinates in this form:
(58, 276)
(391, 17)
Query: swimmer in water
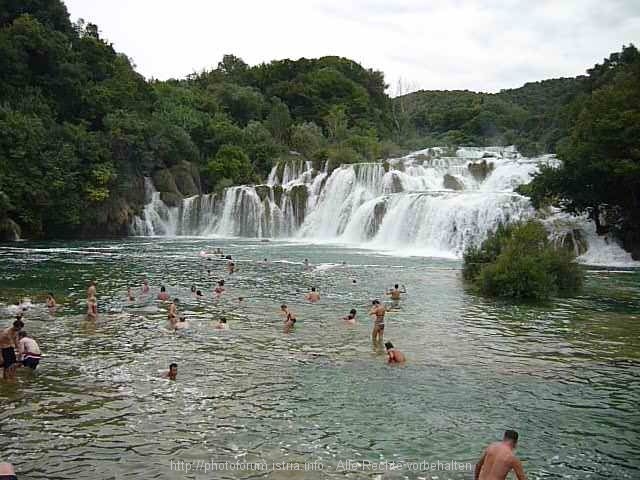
(145, 287)
(393, 354)
(499, 459)
(289, 318)
(353, 281)
(51, 302)
(91, 291)
(219, 290)
(351, 318)
(199, 294)
(193, 290)
(222, 324)
(395, 292)
(313, 296)
(172, 374)
(231, 267)
(172, 314)
(130, 295)
(92, 308)
(208, 272)
(163, 295)
(378, 327)
(181, 323)
(307, 265)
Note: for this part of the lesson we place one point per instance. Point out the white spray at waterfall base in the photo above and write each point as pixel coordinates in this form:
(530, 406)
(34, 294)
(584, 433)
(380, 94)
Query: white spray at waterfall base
(432, 202)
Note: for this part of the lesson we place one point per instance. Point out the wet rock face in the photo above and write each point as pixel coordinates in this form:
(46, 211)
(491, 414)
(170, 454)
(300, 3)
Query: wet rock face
(480, 170)
(263, 191)
(378, 215)
(299, 196)
(452, 183)
(186, 178)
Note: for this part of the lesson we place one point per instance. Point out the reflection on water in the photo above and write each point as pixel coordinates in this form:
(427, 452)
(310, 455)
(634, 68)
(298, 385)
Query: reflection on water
(566, 375)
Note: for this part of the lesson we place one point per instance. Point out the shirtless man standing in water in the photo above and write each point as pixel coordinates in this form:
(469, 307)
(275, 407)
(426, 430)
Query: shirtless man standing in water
(498, 460)
(313, 296)
(172, 315)
(378, 327)
(395, 292)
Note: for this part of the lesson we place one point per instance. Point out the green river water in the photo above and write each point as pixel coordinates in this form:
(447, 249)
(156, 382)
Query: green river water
(565, 375)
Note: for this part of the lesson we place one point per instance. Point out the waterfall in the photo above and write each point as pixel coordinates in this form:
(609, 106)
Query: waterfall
(436, 201)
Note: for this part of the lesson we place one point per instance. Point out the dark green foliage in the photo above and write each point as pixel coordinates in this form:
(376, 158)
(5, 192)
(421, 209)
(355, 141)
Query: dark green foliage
(519, 262)
(230, 163)
(600, 171)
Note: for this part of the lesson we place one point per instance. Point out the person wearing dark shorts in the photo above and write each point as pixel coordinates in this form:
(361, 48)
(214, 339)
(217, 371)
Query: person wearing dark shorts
(29, 350)
(8, 344)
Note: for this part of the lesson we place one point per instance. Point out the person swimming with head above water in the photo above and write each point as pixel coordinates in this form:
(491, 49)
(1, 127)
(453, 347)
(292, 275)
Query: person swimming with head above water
(130, 296)
(163, 295)
(193, 290)
(222, 324)
(289, 318)
(351, 318)
(172, 373)
(393, 354)
(313, 296)
(199, 294)
(307, 265)
(499, 459)
(182, 323)
(145, 287)
(219, 290)
(51, 301)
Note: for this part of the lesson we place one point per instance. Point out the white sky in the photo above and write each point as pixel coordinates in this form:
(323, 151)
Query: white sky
(483, 45)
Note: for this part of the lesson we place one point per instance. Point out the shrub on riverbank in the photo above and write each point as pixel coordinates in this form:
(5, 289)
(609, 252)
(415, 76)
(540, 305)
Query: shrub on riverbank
(519, 262)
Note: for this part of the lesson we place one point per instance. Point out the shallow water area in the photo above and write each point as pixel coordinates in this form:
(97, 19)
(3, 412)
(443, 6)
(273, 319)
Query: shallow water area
(565, 375)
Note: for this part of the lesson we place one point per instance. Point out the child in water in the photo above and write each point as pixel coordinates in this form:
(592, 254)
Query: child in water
(351, 318)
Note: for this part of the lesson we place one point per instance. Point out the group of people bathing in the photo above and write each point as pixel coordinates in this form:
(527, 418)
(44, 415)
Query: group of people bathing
(19, 349)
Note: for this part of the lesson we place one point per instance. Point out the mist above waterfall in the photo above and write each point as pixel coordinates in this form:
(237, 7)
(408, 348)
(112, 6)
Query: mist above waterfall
(433, 201)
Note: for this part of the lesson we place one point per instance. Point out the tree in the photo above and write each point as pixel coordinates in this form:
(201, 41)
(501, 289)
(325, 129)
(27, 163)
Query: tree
(230, 163)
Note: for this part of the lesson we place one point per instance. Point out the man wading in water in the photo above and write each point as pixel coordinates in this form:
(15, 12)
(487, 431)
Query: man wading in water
(378, 327)
(498, 460)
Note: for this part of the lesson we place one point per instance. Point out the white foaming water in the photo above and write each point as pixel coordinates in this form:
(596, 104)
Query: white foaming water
(431, 202)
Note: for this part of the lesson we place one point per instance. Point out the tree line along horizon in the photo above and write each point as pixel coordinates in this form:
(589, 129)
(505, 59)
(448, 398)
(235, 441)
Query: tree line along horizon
(80, 128)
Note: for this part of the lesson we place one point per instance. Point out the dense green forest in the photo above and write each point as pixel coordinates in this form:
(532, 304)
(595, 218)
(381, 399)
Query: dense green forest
(80, 128)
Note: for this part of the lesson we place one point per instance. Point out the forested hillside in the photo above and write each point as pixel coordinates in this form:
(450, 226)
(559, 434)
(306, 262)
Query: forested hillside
(80, 129)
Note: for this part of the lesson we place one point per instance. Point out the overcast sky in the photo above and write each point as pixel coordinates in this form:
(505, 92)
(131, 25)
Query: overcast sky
(483, 45)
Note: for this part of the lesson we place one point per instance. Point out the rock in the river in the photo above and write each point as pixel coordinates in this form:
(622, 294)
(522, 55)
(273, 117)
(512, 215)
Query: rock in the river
(452, 182)
(480, 170)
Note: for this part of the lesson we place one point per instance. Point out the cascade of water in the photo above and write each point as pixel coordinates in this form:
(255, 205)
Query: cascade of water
(434, 200)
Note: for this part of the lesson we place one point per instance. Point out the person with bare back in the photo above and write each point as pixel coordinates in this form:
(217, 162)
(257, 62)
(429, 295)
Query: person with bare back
(499, 459)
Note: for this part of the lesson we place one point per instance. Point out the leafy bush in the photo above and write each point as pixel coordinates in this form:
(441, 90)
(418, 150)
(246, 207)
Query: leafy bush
(519, 262)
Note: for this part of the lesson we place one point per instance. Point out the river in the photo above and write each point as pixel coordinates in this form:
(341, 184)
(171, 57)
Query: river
(566, 375)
